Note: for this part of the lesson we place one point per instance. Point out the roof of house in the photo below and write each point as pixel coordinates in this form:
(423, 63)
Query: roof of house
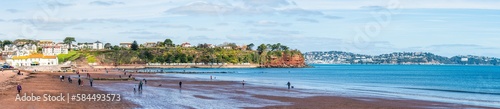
(51, 46)
(34, 56)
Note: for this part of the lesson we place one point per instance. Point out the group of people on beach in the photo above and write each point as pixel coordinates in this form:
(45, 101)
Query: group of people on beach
(80, 81)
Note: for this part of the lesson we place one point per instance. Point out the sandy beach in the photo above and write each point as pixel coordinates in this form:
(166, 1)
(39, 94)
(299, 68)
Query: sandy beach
(201, 93)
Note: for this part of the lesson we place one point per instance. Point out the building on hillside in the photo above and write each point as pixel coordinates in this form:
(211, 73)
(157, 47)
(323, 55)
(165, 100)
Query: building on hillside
(84, 46)
(243, 47)
(45, 43)
(54, 50)
(20, 42)
(98, 45)
(31, 48)
(150, 44)
(22, 52)
(91, 46)
(186, 44)
(32, 60)
(211, 46)
(13, 50)
(10, 47)
(125, 44)
(227, 47)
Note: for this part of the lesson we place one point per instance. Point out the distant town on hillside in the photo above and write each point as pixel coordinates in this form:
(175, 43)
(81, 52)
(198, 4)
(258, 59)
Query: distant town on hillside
(340, 57)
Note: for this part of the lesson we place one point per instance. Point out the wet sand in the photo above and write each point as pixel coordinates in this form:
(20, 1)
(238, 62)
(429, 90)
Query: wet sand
(48, 83)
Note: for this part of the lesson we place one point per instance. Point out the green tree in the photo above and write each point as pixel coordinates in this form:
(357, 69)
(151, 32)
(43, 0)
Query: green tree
(261, 48)
(250, 46)
(168, 43)
(284, 48)
(134, 46)
(7, 42)
(116, 47)
(107, 46)
(69, 41)
(1, 44)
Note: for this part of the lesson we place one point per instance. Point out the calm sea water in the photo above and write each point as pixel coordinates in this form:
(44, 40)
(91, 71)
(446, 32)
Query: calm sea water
(472, 85)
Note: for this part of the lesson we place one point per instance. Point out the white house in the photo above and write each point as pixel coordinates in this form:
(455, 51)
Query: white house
(32, 60)
(31, 48)
(13, 50)
(186, 44)
(125, 44)
(98, 45)
(54, 50)
(92, 46)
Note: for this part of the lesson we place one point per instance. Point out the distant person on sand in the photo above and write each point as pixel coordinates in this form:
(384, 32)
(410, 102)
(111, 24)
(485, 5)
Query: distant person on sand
(140, 86)
(69, 79)
(88, 75)
(288, 84)
(243, 83)
(180, 84)
(79, 81)
(60, 77)
(19, 88)
(145, 81)
(129, 76)
(91, 81)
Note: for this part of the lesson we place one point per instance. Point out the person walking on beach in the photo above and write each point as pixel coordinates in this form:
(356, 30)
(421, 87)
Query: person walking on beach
(129, 76)
(69, 79)
(243, 83)
(140, 86)
(60, 77)
(288, 84)
(145, 81)
(88, 75)
(91, 81)
(180, 84)
(79, 82)
(19, 88)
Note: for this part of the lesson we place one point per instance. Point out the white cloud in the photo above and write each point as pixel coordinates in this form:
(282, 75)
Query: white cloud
(307, 20)
(106, 3)
(209, 8)
(274, 32)
(173, 26)
(267, 23)
(269, 3)
(13, 10)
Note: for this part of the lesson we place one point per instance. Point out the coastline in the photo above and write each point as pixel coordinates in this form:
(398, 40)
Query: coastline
(202, 92)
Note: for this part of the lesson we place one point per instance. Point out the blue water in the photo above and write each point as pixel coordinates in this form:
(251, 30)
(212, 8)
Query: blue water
(471, 85)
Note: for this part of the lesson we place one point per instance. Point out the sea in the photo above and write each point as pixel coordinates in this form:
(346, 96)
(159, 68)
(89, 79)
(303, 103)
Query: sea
(458, 84)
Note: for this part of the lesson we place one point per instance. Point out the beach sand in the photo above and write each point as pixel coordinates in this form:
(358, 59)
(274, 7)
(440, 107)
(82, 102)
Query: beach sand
(46, 83)
(204, 90)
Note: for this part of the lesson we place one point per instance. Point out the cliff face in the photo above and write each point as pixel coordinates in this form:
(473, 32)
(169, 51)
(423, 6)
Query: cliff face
(286, 61)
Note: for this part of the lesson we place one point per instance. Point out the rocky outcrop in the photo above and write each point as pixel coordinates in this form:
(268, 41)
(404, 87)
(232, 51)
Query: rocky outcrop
(286, 61)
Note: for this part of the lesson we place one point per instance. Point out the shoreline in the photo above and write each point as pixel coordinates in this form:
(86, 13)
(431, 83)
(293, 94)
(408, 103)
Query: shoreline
(201, 91)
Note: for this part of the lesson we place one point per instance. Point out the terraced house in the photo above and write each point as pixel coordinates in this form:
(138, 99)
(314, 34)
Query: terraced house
(32, 60)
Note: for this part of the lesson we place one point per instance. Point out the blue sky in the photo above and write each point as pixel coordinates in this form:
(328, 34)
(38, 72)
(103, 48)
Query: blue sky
(444, 27)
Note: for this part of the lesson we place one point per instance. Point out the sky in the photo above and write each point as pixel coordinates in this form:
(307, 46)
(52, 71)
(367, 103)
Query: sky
(443, 27)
